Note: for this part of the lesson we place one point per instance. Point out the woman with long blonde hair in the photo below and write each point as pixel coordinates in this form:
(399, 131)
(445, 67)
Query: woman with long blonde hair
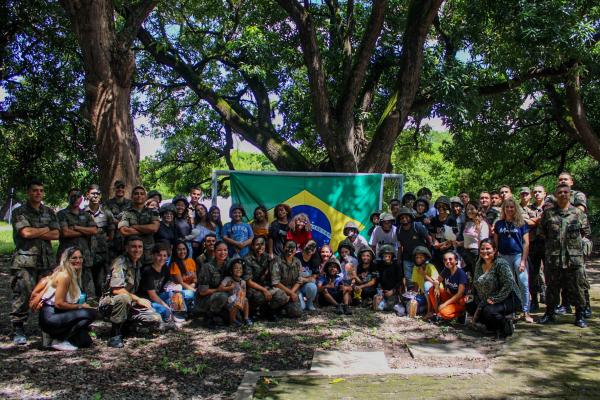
(511, 236)
(65, 317)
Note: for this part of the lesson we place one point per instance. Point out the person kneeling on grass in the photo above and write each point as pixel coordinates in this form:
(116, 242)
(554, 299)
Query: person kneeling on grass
(235, 286)
(496, 294)
(424, 276)
(330, 288)
(119, 303)
(390, 281)
(153, 283)
(448, 303)
(65, 317)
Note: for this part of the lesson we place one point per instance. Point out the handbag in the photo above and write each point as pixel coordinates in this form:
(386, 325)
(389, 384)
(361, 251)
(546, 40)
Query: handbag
(35, 300)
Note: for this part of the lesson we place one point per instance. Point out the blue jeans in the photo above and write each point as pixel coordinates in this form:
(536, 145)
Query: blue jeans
(522, 277)
(308, 290)
(164, 312)
(408, 269)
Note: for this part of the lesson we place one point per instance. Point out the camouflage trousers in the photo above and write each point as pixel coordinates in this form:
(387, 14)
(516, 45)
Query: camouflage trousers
(257, 299)
(119, 309)
(571, 279)
(22, 282)
(214, 304)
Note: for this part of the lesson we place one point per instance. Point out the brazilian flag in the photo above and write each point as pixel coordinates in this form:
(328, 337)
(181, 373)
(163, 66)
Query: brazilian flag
(329, 200)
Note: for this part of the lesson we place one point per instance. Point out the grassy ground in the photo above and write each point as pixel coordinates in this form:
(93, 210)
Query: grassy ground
(6, 242)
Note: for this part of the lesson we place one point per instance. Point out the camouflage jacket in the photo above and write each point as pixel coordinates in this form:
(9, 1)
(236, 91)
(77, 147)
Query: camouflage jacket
(210, 276)
(124, 273)
(257, 269)
(106, 225)
(563, 231)
(285, 273)
(32, 253)
(578, 199)
(145, 216)
(117, 208)
(68, 219)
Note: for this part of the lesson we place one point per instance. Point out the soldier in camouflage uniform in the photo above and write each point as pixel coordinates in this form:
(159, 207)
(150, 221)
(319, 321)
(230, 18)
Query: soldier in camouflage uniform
(117, 206)
(285, 275)
(34, 226)
(100, 241)
(579, 200)
(260, 293)
(77, 229)
(212, 302)
(119, 304)
(139, 220)
(563, 227)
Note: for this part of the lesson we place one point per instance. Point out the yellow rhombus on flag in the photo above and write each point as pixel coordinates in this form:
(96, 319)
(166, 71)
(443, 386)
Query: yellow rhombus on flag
(332, 228)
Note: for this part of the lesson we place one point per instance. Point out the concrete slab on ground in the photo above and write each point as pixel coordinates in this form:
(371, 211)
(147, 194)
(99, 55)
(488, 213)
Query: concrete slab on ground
(451, 349)
(350, 363)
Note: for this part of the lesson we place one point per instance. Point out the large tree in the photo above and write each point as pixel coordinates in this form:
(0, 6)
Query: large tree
(105, 31)
(332, 85)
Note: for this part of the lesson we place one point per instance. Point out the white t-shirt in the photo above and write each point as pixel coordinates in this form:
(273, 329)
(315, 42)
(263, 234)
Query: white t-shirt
(380, 237)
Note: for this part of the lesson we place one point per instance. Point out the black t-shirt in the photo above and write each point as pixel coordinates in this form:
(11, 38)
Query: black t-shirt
(278, 232)
(153, 280)
(411, 238)
(165, 234)
(182, 227)
(311, 265)
(390, 276)
(436, 227)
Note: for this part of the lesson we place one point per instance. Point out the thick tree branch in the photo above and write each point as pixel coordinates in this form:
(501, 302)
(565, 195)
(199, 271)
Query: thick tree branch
(419, 19)
(587, 137)
(343, 159)
(356, 77)
(282, 154)
(427, 100)
(134, 15)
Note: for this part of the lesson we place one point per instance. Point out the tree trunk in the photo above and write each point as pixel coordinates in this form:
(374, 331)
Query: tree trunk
(419, 20)
(109, 65)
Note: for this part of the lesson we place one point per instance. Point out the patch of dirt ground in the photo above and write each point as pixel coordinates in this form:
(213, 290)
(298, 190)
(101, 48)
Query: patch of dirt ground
(198, 363)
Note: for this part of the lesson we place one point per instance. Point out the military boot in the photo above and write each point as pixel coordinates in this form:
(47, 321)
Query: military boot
(579, 320)
(547, 318)
(116, 337)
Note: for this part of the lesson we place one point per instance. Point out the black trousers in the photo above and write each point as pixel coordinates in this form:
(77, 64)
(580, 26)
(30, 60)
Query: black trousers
(69, 325)
(493, 315)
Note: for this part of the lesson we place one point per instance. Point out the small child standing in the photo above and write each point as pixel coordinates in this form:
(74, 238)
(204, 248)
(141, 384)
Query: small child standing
(237, 303)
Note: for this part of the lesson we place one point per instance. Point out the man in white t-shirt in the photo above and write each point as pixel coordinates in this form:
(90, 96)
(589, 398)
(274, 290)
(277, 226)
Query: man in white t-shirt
(385, 233)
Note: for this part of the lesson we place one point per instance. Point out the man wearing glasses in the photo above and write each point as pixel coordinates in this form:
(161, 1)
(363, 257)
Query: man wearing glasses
(105, 222)
(77, 229)
(34, 226)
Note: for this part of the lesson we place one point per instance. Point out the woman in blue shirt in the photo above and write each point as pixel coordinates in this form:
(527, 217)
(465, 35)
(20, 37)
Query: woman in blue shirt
(511, 236)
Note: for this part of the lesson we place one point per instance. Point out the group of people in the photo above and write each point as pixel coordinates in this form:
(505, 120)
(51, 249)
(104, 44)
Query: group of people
(144, 264)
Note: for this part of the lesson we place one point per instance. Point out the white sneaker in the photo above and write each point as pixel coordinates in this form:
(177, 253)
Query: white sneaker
(63, 346)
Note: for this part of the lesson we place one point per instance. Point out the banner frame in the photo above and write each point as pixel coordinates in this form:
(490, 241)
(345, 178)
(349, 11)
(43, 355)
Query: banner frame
(223, 172)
